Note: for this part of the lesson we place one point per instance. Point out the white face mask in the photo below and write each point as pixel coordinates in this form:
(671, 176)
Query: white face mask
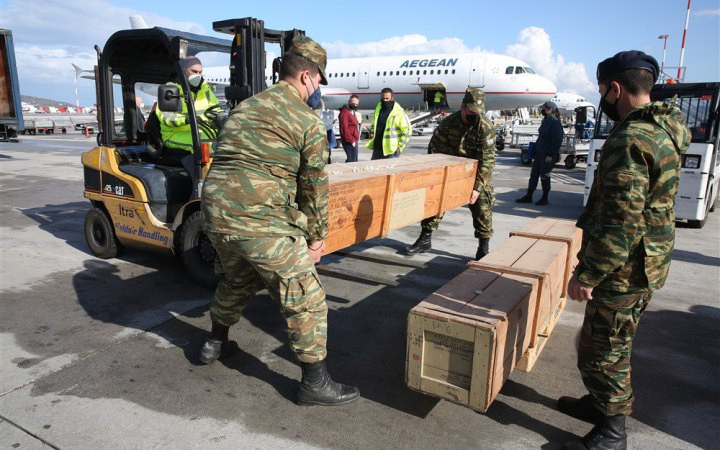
(195, 80)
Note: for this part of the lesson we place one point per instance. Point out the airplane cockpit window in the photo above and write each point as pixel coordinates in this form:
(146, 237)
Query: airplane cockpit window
(509, 70)
(529, 70)
(519, 70)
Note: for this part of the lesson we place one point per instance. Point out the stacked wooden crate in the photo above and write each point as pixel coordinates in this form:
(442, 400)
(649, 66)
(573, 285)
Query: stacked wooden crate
(465, 339)
(370, 199)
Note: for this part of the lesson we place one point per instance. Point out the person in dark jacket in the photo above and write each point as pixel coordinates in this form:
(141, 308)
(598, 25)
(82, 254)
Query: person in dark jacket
(547, 147)
(349, 129)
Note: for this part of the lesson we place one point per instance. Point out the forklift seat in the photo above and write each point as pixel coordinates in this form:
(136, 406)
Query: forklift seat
(168, 188)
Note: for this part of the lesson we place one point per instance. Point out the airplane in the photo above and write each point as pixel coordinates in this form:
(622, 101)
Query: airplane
(28, 108)
(567, 102)
(509, 83)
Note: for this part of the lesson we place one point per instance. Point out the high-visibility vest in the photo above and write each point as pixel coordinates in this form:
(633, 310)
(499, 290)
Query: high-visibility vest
(438, 97)
(175, 130)
(397, 130)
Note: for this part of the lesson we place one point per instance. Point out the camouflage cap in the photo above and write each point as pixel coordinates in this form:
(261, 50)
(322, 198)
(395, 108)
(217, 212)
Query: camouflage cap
(309, 49)
(475, 100)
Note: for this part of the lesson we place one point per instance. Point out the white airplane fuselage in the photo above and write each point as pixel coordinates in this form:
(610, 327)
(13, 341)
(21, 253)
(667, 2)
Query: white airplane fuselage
(505, 86)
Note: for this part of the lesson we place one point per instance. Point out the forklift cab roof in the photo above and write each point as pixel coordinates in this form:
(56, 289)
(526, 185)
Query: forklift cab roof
(155, 51)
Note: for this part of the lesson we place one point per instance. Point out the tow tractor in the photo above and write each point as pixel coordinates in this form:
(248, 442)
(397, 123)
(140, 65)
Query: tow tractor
(141, 197)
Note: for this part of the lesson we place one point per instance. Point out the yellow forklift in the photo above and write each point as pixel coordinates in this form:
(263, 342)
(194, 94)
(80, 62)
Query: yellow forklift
(142, 196)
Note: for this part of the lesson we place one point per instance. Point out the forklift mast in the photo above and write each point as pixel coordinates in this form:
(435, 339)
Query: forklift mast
(247, 55)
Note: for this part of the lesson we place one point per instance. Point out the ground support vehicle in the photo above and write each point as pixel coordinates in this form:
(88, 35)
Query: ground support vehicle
(29, 127)
(700, 166)
(141, 196)
(44, 125)
(11, 116)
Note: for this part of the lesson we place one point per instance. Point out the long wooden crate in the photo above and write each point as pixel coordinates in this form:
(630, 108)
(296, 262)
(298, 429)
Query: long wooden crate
(556, 230)
(371, 198)
(544, 260)
(464, 340)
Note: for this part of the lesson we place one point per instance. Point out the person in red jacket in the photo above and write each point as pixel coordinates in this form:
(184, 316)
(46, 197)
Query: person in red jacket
(349, 130)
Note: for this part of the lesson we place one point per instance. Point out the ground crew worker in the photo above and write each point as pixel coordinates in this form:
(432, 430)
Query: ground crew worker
(391, 129)
(265, 203)
(628, 236)
(174, 127)
(470, 134)
(547, 148)
(437, 103)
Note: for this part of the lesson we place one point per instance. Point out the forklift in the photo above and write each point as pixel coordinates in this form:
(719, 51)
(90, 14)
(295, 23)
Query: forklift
(141, 197)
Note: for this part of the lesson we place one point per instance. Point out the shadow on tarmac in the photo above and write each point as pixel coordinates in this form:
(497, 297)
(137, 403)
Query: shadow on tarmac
(695, 258)
(676, 383)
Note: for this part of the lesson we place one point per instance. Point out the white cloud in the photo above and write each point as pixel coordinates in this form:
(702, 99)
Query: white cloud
(707, 12)
(408, 44)
(49, 35)
(534, 46)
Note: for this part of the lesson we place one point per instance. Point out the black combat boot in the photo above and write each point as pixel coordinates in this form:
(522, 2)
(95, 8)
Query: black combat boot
(527, 198)
(317, 388)
(422, 244)
(580, 408)
(217, 345)
(607, 434)
(483, 248)
(544, 199)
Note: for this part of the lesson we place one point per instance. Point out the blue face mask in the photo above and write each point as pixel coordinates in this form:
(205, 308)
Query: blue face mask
(313, 99)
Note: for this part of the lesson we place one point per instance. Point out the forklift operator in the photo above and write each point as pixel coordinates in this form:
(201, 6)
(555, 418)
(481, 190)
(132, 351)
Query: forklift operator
(174, 126)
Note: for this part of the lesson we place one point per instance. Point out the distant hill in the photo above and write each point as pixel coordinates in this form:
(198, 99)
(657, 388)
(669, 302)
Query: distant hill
(37, 101)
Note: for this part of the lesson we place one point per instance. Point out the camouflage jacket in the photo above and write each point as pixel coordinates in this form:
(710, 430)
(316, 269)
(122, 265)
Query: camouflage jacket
(268, 173)
(477, 141)
(629, 220)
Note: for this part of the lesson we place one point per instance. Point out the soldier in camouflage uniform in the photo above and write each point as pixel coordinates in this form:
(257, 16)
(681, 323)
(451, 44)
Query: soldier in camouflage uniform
(265, 204)
(628, 236)
(470, 134)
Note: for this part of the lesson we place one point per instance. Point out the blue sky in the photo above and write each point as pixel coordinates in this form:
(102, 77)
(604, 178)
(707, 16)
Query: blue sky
(563, 40)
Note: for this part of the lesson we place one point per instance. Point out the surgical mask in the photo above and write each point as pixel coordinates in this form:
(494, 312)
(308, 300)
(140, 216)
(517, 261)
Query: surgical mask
(195, 80)
(387, 104)
(313, 99)
(352, 106)
(610, 109)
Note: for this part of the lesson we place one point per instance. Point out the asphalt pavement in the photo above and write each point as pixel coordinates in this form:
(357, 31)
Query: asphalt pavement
(104, 353)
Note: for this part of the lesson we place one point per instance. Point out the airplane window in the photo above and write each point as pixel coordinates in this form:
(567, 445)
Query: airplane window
(509, 70)
(384, 73)
(519, 70)
(432, 72)
(453, 71)
(341, 75)
(446, 71)
(424, 72)
(404, 71)
(378, 74)
(529, 70)
(353, 73)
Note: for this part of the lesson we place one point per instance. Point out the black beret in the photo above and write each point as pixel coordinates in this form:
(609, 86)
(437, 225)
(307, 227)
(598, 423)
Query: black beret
(631, 59)
(549, 104)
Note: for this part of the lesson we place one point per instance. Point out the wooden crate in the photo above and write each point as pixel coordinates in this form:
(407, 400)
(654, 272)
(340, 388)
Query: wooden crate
(531, 355)
(557, 230)
(464, 340)
(544, 260)
(371, 198)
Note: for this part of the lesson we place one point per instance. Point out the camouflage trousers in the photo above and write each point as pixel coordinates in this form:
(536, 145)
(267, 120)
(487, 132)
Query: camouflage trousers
(283, 266)
(481, 212)
(605, 346)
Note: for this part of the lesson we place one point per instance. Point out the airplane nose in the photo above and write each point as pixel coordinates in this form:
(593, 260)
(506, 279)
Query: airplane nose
(547, 86)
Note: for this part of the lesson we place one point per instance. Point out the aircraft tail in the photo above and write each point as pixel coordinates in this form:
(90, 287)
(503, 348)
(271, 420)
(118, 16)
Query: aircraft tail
(137, 22)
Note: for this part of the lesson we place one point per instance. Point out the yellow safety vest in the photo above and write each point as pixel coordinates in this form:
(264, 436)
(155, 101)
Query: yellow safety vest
(397, 130)
(438, 97)
(176, 132)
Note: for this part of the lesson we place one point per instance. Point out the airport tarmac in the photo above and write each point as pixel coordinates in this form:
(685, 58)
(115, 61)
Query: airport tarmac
(103, 353)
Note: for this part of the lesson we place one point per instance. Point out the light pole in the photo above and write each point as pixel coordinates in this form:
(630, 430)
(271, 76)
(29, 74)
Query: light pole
(680, 74)
(662, 67)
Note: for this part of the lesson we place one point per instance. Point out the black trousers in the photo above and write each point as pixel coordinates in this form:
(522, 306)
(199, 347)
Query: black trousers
(541, 170)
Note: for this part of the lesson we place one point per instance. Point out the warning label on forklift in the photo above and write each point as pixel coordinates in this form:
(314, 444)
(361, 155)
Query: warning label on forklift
(141, 232)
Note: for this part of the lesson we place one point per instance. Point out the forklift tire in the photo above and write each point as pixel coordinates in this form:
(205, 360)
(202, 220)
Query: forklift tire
(197, 253)
(100, 235)
(570, 162)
